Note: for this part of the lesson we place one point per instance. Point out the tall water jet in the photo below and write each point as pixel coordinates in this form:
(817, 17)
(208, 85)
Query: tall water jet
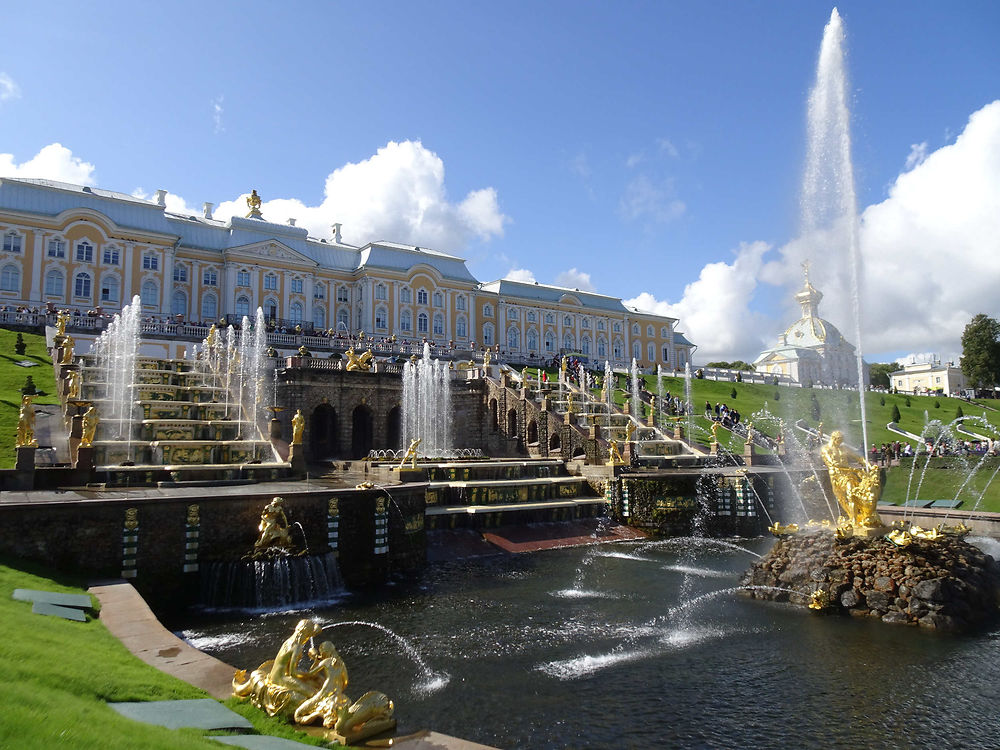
(427, 405)
(253, 377)
(829, 203)
(116, 350)
(636, 403)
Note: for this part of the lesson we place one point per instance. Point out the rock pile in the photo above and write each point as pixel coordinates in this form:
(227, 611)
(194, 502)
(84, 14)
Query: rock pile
(946, 583)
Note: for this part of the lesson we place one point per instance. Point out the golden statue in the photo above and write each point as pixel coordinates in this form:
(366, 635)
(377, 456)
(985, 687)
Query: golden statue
(253, 202)
(780, 529)
(67, 351)
(26, 424)
(715, 432)
(629, 431)
(273, 527)
(213, 333)
(281, 687)
(359, 363)
(749, 432)
(411, 454)
(487, 358)
(73, 385)
(569, 402)
(62, 318)
(298, 425)
(614, 455)
(855, 483)
(90, 421)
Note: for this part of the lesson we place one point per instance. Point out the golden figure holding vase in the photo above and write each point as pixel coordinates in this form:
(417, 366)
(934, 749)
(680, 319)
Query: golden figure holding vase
(855, 482)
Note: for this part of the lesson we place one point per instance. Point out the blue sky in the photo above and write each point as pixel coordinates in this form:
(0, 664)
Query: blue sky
(648, 150)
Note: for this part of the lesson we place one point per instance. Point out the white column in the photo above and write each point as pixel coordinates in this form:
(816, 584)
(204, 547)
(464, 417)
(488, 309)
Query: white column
(35, 295)
(126, 290)
(167, 287)
(227, 304)
(307, 289)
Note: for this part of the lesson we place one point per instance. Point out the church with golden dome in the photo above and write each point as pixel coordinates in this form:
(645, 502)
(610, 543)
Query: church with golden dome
(811, 351)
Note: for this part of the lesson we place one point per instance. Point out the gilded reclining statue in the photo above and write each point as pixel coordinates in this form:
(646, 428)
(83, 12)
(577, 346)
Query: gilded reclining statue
(280, 687)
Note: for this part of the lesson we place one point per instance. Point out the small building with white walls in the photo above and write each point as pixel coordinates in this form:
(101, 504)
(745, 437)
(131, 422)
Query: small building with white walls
(928, 378)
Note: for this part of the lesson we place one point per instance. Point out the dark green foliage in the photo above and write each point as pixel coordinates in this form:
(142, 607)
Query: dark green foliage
(881, 401)
(937, 404)
(981, 351)
(959, 413)
(896, 416)
(777, 395)
(19, 345)
(814, 410)
(29, 387)
(908, 401)
(732, 393)
(739, 377)
(736, 364)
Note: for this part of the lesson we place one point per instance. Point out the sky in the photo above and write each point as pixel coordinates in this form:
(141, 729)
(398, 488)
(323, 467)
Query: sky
(651, 151)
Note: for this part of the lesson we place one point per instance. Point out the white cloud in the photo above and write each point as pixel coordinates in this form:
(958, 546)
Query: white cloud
(667, 147)
(520, 274)
(53, 162)
(397, 194)
(917, 155)
(580, 165)
(714, 311)
(575, 279)
(217, 111)
(644, 199)
(635, 159)
(8, 88)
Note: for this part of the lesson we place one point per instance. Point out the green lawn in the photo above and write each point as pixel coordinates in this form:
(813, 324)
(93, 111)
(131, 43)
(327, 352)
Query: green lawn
(59, 675)
(12, 378)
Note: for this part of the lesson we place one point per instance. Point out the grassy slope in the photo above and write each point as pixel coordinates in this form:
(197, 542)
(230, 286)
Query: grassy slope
(60, 674)
(12, 379)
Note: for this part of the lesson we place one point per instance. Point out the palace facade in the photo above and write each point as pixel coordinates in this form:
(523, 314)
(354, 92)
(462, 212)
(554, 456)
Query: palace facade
(73, 247)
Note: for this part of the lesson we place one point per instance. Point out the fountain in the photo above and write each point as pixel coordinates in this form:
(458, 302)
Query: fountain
(427, 411)
(901, 574)
(279, 572)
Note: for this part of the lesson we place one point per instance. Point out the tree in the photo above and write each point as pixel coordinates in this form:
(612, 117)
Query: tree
(981, 351)
(732, 393)
(878, 373)
(896, 416)
(959, 413)
(814, 408)
(736, 364)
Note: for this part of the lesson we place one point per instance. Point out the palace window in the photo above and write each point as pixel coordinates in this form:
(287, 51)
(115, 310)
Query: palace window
(150, 262)
(243, 306)
(381, 319)
(109, 289)
(380, 292)
(602, 348)
(406, 321)
(488, 334)
(422, 323)
(242, 278)
(618, 350)
(649, 331)
(84, 252)
(181, 273)
(666, 354)
(342, 320)
(585, 323)
(319, 317)
(55, 284)
(179, 303)
(81, 285)
(12, 242)
(297, 286)
(548, 318)
(10, 279)
(459, 303)
(651, 351)
(150, 293)
(550, 343)
(209, 308)
(461, 328)
(636, 350)
(405, 295)
(567, 320)
(271, 308)
(600, 325)
(295, 313)
(319, 291)
(438, 325)
(569, 343)
(511, 313)
(57, 248)
(635, 329)
(421, 296)
(112, 257)
(271, 282)
(513, 339)
(438, 299)
(342, 294)
(664, 332)
(585, 345)
(618, 327)
(487, 310)
(531, 316)
(210, 278)
(532, 341)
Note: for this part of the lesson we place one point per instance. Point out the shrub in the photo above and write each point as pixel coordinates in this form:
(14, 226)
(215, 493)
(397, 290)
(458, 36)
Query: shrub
(19, 345)
(777, 395)
(937, 404)
(907, 400)
(814, 408)
(959, 413)
(732, 393)
(896, 416)
(881, 401)
(29, 387)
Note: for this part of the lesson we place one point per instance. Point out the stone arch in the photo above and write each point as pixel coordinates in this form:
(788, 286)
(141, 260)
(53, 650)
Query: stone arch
(494, 417)
(323, 442)
(532, 431)
(393, 433)
(554, 443)
(512, 423)
(362, 431)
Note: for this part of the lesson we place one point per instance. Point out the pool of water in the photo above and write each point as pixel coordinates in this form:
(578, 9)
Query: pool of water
(637, 645)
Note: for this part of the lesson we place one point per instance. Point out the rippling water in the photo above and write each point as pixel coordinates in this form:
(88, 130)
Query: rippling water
(580, 648)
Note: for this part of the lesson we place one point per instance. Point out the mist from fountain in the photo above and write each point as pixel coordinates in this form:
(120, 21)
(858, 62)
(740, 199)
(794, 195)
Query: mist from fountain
(427, 413)
(117, 348)
(636, 402)
(829, 203)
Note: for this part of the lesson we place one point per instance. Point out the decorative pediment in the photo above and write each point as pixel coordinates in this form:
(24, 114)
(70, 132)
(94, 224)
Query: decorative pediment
(570, 299)
(268, 250)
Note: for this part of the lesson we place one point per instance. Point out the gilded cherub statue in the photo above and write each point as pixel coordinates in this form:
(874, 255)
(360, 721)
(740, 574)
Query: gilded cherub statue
(73, 385)
(487, 358)
(359, 363)
(90, 421)
(298, 426)
(855, 482)
(62, 318)
(26, 424)
(281, 687)
(614, 454)
(67, 351)
(411, 454)
(273, 527)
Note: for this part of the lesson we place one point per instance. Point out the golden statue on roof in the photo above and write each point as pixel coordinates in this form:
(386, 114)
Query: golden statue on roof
(253, 202)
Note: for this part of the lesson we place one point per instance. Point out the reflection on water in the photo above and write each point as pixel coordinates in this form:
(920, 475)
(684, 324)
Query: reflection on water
(584, 648)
